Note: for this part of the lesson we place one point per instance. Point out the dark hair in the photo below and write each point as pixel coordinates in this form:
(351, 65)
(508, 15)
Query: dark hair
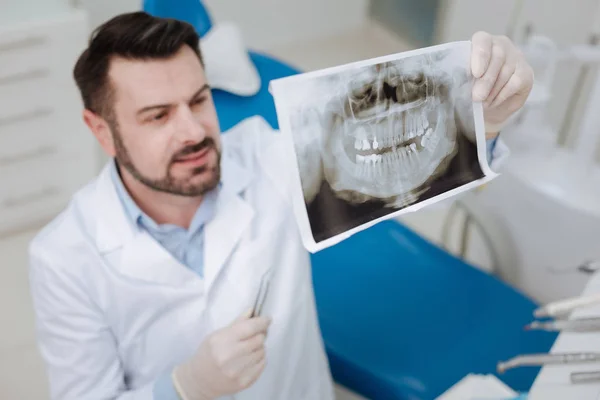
(136, 35)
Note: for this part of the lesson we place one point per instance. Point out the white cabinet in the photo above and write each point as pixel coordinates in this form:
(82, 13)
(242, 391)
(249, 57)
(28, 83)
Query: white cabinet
(46, 151)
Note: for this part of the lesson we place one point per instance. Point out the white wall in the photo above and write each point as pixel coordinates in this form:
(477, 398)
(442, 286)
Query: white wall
(14, 11)
(102, 10)
(567, 22)
(459, 19)
(265, 23)
(270, 23)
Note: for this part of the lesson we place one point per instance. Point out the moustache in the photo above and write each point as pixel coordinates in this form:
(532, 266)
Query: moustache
(195, 148)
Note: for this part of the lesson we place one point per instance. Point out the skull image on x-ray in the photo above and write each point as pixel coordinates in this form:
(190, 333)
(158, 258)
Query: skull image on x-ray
(377, 138)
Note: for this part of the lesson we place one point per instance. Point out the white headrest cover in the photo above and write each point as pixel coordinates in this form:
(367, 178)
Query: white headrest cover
(227, 63)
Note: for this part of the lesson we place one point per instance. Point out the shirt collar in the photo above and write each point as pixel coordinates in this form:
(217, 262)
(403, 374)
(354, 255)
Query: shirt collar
(140, 219)
(132, 211)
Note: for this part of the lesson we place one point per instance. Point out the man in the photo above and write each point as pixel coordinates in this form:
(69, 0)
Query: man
(142, 285)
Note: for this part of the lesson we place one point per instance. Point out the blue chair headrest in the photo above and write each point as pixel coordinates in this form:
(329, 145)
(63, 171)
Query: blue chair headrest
(191, 11)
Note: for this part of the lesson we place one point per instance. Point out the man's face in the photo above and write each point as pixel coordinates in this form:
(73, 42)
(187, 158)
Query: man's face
(166, 131)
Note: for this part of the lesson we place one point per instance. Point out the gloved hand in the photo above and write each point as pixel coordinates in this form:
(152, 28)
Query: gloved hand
(228, 361)
(503, 78)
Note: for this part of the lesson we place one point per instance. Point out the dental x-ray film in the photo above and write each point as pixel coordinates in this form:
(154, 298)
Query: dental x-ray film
(378, 138)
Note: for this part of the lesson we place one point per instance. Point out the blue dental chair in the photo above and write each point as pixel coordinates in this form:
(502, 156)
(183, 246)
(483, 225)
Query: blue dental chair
(401, 318)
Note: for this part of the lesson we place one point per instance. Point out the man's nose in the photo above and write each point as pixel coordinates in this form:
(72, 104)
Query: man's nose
(189, 126)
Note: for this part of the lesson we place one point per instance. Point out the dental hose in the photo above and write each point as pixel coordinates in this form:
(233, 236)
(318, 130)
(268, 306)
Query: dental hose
(570, 325)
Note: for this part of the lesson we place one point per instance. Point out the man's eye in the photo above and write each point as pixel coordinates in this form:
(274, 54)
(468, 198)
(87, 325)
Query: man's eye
(199, 100)
(159, 116)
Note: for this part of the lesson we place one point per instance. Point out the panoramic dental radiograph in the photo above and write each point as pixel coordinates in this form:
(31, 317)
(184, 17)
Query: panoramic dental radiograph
(374, 138)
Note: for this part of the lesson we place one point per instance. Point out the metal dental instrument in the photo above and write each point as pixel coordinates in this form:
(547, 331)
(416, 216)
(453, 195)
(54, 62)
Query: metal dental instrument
(534, 360)
(566, 306)
(570, 325)
(585, 377)
(587, 267)
(262, 294)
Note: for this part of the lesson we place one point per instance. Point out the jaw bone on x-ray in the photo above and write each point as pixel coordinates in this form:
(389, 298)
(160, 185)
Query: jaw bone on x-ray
(381, 137)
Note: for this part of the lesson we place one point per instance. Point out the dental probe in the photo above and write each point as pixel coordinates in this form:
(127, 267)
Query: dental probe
(533, 360)
(262, 294)
(565, 306)
(585, 377)
(571, 325)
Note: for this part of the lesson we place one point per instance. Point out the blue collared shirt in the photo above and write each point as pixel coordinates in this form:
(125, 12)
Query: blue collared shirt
(185, 245)
(491, 145)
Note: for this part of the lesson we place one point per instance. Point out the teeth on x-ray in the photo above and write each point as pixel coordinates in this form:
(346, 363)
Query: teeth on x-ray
(394, 128)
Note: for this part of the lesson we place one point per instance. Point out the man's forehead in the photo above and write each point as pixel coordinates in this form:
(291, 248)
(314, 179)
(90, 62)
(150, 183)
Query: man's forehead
(164, 79)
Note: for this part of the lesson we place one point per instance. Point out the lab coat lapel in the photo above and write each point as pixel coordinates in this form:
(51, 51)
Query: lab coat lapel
(232, 218)
(130, 250)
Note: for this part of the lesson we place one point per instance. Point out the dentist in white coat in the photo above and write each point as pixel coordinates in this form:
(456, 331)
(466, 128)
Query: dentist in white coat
(142, 285)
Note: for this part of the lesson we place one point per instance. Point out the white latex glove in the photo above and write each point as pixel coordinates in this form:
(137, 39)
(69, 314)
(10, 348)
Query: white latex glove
(228, 361)
(503, 78)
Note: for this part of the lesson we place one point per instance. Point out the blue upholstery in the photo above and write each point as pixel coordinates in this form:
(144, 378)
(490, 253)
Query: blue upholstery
(403, 319)
(191, 11)
(231, 108)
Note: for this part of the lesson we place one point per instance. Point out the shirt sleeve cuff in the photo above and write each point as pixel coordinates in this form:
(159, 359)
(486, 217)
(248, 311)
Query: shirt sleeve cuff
(491, 145)
(164, 388)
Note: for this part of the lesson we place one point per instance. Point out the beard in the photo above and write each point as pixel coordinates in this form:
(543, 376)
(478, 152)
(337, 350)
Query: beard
(168, 183)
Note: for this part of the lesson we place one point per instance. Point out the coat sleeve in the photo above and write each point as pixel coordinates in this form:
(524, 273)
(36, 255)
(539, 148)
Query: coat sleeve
(76, 344)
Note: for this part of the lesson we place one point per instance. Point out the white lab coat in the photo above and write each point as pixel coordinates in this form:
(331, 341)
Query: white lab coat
(114, 310)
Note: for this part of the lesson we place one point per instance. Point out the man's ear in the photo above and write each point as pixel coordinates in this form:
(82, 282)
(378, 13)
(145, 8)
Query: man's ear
(101, 131)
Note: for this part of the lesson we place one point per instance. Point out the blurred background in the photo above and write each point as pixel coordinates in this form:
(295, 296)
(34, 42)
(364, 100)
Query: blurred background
(535, 228)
